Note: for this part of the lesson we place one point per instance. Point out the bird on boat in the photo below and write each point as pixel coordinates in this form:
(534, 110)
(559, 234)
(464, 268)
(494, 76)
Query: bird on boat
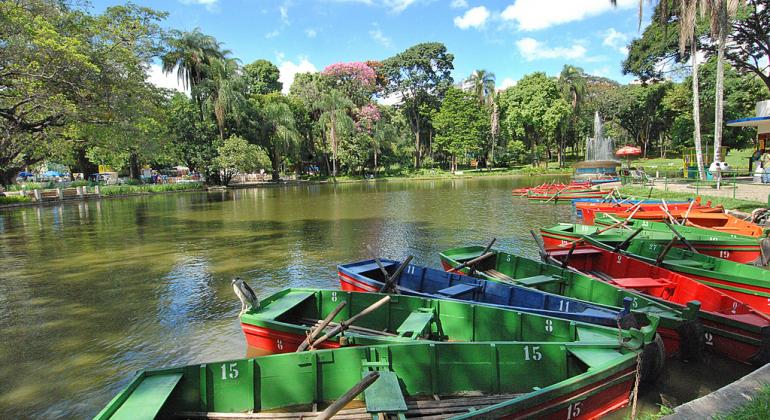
(246, 295)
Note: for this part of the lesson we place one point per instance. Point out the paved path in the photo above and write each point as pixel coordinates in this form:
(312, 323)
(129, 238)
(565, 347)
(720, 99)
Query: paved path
(743, 191)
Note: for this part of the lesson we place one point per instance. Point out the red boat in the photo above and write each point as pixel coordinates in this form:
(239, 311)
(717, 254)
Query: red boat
(654, 212)
(595, 208)
(731, 327)
(551, 188)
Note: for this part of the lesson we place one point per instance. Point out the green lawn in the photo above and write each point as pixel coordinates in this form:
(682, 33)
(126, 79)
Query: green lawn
(757, 408)
(737, 159)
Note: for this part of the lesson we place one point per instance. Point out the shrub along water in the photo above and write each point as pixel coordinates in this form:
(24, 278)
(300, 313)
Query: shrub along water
(149, 188)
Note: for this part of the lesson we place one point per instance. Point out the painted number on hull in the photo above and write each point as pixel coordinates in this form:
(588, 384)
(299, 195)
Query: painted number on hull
(724, 254)
(279, 343)
(532, 353)
(229, 371)
(563, 306)
(548, 325)
(709, 338)
(573, 410)
(334, 296)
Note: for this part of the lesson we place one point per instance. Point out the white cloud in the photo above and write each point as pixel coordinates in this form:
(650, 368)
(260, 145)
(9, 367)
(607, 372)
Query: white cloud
(601, 71)
(532, 15)
(211, 5)
(473, 18)
(310, 32)
(378, 36)
(284, 14)
(289, 69)
(506, 83)
(616, 40)
(272, 34)
(157, 77)
(532, 49)
(458, 4)
(395, 6)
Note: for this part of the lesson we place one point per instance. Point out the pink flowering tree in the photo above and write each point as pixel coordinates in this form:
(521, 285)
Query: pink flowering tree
(357, 80)
(367, 117)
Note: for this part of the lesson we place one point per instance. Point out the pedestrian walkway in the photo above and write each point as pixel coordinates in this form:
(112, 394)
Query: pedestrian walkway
(742, 191)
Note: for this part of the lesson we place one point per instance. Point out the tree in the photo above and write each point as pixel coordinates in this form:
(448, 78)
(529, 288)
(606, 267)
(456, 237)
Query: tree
(262, 78)
(461, 125)
(419, 75)
(533, 110)
(687, 36)
(572, 84)
(191, 54)
(191, 136)
(483, 84)
(279, 130)
(750, 46)
(336, 120)
(356, 80)
(236, 155)
(722, 14)
(224, 91)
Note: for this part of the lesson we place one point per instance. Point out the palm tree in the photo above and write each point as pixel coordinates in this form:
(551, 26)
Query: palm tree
(190, 54)
(483, 83)
(687, 36)
(224, 90)
(572, 83)
(334, 105)
(722, 13)
(281, 132)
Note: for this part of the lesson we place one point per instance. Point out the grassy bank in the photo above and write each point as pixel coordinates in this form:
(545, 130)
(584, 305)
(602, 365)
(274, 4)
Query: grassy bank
(757, 408)
(108, 190)
(551, 169)
(728, 203)
(13, 199)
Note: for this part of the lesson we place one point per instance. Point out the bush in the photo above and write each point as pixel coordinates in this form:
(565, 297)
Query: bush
(149, 188)
(13, 199)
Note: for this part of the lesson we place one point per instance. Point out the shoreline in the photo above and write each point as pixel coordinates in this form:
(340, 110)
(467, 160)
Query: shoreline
(270, 184)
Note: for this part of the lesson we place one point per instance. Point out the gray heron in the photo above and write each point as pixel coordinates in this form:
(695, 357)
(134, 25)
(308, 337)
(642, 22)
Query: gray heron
(246, 295)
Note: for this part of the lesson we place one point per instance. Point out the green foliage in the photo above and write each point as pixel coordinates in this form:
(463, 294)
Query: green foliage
(14, 199)
(516, 152)
(262, 77)
(108, 190)
(462, 126)
(756, 408)
(236, 155)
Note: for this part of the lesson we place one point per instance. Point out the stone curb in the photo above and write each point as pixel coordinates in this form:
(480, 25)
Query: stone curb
(724, 399)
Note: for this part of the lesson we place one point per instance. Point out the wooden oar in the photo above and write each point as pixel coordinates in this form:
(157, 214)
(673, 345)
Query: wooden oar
(476, 260)
(541, 249)
(624, 244)
(390, 282)
(384, 272)
(687, 213)
(344, 325)
(662, 255)
(670, 216)
(347, 397)
(557, 194)
(683, 239)
(317, 330)
(599, 232)
(625, 223)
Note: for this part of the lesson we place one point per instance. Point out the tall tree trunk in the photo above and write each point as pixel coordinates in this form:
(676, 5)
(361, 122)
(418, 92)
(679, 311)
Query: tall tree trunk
(275, 164)
(720, 88)
(133, 166)
(696, 109)
(417, 143)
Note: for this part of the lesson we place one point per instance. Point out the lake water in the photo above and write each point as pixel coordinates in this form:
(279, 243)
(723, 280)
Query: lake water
(91, 292)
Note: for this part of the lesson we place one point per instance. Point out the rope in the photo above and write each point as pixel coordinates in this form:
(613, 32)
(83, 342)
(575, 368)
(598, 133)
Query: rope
(636, 385)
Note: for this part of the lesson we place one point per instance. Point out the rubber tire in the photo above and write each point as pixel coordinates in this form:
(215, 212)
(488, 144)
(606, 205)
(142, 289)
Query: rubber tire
(653, 360)
(691, 341)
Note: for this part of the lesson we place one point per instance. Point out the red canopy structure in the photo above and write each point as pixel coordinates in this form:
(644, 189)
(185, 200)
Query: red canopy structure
(628, 151)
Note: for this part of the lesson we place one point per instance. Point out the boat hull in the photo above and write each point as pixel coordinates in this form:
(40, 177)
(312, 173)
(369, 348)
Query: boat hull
(276, 341)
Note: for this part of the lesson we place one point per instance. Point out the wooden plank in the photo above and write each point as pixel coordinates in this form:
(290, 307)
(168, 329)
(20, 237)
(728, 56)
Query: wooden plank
(384, 396)
(415, 324)
(148, 398)
(457, 289)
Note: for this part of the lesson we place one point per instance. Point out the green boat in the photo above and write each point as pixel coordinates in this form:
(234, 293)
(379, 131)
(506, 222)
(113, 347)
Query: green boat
(730, 246)
(681, 331)
(745, 282)
(743, 249)
(455, 380)
(282, 322)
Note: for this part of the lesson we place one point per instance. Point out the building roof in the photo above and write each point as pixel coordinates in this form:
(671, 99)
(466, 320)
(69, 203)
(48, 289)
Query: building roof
(761, 123)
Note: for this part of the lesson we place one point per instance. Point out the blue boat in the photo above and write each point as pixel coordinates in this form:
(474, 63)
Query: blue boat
(415, 280)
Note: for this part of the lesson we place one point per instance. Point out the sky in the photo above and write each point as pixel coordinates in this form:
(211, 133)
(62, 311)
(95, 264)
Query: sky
(510, 38)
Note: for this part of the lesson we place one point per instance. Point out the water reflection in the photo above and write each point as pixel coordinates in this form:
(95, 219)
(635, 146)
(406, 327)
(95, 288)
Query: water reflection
(92, 291)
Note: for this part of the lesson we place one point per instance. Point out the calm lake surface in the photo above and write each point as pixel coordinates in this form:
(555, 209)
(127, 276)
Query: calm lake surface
(91, 292)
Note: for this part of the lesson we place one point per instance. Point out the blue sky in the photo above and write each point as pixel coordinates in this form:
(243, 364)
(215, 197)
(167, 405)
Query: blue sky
(507, 37)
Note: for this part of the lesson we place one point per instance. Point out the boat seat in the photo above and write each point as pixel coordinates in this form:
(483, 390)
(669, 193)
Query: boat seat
(384, 395)
(539, 280)
(457, 290)
(690, 263)
(148, 397)
(640, 282)
(414, 325)
(499, 276)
